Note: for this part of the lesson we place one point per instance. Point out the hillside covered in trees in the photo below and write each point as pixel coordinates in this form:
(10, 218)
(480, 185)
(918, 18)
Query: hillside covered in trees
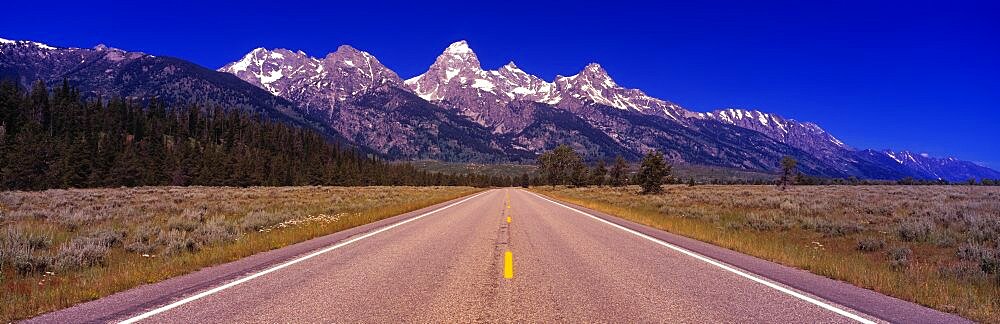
(59, 140)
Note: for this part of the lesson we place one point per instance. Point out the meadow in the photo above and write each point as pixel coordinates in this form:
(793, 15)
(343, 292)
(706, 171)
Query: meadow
(61, 247)
(935, 245)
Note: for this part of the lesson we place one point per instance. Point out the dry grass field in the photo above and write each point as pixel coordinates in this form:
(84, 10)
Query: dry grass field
(60, 247)
(934, 245)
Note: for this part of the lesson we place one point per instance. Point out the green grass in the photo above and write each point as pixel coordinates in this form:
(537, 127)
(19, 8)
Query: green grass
(830, 230)
(127, 237)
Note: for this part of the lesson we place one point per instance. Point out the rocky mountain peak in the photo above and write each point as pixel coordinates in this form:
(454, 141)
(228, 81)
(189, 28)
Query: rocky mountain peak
(268, 69)
(512, 68)
(346, 49)
(595, 72)
(458, 56)
(459, 48)
(455, 68)
(359, 67)
(318, 84)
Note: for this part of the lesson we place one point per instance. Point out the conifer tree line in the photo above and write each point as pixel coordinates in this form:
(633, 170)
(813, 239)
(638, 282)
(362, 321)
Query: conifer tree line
(58, 140)
(564, 166)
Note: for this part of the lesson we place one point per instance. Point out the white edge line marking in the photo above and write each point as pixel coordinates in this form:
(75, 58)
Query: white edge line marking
(720, 265)
(286, 264)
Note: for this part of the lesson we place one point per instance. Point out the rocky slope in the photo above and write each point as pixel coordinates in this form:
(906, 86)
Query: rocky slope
(109, 72)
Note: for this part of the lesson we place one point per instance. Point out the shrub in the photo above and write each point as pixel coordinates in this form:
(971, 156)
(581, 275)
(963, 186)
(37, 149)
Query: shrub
(16, 237)
(215, 230)
(143, 240)
(177, 242)
(107, 236)
(829, 228)
(768, 224)
(899, 257)
(25, 261)
(982, 229)
(990, 262)
(972, 251)
(258, 220)
(37, 241)
(82, 252)
(915, 230)
(870, 244)
(187, 221)
(21, 250)
(962, 271)
(942, 238)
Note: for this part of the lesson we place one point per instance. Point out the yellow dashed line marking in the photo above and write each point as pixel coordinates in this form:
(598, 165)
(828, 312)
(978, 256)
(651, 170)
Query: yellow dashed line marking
(508, 219)
(508, 265)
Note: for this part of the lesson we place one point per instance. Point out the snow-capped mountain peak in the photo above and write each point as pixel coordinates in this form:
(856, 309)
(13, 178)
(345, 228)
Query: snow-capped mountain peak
(319, 83)
(458, 56)
(456, 68)
(457, 76)
(4, 41)
(593, 85)
(594, 73)
(512, 68)
(266, 68)
(459, 48)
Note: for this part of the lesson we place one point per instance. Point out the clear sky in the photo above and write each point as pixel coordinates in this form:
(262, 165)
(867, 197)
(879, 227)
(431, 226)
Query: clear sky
(918, 75)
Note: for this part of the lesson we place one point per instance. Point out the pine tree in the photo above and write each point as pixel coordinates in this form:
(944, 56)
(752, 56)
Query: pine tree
(579, 175)
(652, 173)
(787, 172)
(599, 174)
(618, 172)
(127, 168)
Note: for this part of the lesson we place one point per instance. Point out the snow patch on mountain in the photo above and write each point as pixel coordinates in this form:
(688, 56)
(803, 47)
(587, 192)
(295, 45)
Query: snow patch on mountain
(319, 83)
(5, 41)
(448, 77)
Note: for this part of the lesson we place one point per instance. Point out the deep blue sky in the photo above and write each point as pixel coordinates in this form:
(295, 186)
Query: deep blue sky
(918, 75)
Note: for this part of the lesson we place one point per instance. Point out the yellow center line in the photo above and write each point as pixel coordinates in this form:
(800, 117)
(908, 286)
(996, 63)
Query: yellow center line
(508, 265)
(508, 219)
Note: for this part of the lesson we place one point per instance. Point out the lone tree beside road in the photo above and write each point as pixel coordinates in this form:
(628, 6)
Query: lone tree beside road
(652, 172)
(787, 172)
(561, 166)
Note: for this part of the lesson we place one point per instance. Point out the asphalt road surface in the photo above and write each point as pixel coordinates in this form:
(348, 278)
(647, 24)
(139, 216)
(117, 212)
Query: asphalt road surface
(462, 261)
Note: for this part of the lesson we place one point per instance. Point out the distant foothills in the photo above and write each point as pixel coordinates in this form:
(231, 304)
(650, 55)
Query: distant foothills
(363, 111)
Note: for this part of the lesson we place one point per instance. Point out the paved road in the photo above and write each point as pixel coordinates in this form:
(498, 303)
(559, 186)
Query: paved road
(446, 263)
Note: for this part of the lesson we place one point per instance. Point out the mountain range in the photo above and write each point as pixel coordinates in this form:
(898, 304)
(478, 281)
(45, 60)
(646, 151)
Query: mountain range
(457, 111)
